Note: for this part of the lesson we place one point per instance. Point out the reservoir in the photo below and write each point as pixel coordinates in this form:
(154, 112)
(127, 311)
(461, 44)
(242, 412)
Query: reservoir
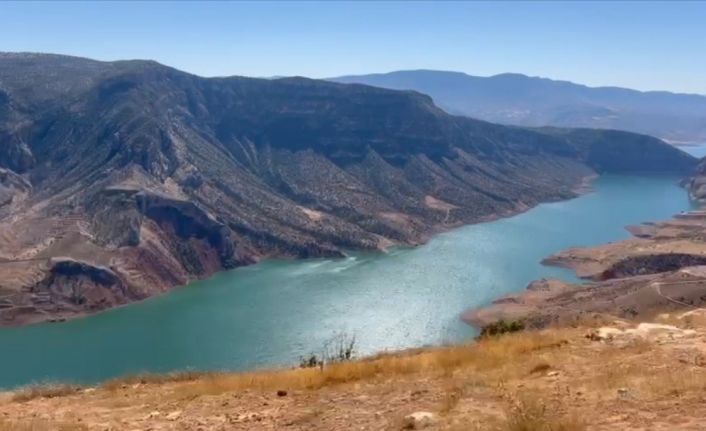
(272, 313)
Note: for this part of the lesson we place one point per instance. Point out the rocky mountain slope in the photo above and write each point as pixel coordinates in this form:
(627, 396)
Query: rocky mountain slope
(120, 180)
(696, 184)
(512, 98)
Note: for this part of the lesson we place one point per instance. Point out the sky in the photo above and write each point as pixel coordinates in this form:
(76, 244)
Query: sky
(642, 45)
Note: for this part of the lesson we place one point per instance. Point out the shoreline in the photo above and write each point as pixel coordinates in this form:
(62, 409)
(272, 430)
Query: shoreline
(160, 308)
(632, 279)
(583, 186)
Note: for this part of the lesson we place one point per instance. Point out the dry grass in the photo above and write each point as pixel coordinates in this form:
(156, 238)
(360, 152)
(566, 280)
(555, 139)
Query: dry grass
(507, 354)
(528, 413)
(648, 373)
(44, 391)
(661, 383)
(499, 384)
(617, 375)
(453, 392)
(145, 379)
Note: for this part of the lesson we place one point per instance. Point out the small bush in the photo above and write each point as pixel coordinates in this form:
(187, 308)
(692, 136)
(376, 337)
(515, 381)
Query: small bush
(340, 348)
(501, 327)
(310, 361)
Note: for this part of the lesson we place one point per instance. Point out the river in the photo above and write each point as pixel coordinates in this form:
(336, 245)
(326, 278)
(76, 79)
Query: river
(272, 313)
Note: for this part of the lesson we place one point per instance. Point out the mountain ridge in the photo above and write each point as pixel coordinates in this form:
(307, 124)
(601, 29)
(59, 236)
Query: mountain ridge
(523, 100)
(121, 180)
(520, 75)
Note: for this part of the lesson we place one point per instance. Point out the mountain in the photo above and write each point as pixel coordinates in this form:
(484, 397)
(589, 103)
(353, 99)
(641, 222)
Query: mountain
(529, 101)
(120, 180)
(696, 184)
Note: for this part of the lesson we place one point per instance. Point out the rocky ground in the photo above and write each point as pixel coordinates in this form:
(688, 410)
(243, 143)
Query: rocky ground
(620, 376)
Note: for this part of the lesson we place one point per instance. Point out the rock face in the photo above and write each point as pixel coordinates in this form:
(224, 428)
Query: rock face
(152, 177)
(651, 264)
(697, 183)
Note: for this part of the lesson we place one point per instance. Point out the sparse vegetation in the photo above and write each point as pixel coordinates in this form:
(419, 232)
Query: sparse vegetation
(527, 381)
(311, 361)
(529, 413)
(506, 355)
(501, 327)
(44, 391)
(340, 348)
(144, 379)
(453, 392)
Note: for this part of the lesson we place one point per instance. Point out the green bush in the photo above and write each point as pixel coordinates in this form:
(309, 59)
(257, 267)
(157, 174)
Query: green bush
(501, 327)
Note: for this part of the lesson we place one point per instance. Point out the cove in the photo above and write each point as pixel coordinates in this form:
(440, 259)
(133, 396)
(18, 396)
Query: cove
(272, 313)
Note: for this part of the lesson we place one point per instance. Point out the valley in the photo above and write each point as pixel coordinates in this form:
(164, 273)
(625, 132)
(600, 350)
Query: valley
(275, 312)
(217, 216)
(121, 180)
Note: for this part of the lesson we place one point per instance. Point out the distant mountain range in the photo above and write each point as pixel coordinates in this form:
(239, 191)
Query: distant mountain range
(529, 101)
(119, 180)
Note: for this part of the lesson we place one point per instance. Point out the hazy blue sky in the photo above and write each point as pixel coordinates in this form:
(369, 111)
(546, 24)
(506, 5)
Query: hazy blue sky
(646, 45)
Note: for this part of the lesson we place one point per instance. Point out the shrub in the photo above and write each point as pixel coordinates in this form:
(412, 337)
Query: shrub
(501, 327)
(340, 348)
(310, 361)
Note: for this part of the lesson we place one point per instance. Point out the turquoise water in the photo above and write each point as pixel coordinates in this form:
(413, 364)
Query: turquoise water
(272, 313)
